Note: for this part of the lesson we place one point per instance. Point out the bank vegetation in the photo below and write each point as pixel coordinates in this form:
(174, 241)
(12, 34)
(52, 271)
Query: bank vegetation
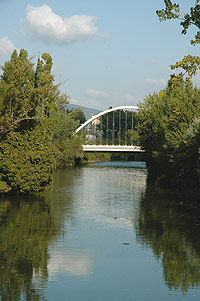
(169, 129)
(36, 130)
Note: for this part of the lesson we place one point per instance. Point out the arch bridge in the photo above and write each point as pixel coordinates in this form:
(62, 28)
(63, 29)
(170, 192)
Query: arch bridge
(97, 120)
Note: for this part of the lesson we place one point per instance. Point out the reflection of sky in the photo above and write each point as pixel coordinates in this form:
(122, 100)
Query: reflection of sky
(110, 196)
(99, 257)
(69, 262)
(104, 199)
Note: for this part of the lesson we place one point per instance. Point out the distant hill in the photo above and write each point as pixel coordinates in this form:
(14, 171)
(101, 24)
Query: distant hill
(86, 111)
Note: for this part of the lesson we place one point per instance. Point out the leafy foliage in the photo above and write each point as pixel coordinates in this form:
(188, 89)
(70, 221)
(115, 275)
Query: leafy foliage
(172, 11)
(22, 101)
(168, 132)
(68, 146)
(190, 64)
(28, 160)
(36, 132)
(78, 115)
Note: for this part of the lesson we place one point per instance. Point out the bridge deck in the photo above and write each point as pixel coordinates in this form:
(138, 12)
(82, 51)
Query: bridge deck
(112, 148)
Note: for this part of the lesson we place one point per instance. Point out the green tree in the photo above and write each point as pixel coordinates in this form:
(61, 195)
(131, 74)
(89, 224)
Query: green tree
(165, 122)
(22, 101)
(77, 114)
(36, 132)
(133, 136)
(169, 130)
(190, 64)
(68, 146)
(27, 160)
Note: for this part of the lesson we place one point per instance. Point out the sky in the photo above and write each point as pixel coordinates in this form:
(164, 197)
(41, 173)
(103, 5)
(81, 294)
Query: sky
(105, 52)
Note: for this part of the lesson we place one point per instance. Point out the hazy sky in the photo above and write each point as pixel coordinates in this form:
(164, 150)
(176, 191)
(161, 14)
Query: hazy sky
(109, 52)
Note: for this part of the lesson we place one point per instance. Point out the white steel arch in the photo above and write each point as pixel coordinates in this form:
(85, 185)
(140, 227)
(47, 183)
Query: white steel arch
(105, 112)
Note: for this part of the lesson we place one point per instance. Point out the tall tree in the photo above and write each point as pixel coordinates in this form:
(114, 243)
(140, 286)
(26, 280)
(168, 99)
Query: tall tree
(169, 134)
(36, 133)
(22, 101)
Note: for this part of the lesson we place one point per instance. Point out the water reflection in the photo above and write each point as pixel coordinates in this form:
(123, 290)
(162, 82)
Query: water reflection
(78, 242)
(169, 223)
(106, 192)
(26, 228)
(60, 199)
(70, 262)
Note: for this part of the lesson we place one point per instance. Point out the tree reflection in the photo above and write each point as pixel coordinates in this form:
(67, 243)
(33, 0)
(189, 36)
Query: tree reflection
(26, 228)
(170, 224)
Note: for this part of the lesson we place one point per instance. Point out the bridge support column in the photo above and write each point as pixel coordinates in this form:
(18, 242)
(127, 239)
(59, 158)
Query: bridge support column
(107, 130)
(125, 133)
(101, 130)
(132, 128)
(113, 128)
(119, 127)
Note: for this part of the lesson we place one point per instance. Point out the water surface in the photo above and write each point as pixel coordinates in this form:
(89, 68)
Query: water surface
(101, 234)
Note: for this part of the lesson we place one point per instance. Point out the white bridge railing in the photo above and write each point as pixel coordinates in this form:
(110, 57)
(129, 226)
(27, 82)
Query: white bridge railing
(112, 148)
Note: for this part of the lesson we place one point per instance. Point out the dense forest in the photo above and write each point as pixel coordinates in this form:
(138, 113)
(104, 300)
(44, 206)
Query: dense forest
(36, 131)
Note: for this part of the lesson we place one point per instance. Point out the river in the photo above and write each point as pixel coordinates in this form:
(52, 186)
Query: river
(102, 233)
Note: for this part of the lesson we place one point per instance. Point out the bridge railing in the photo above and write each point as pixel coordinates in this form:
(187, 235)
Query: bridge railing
(112, 148)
